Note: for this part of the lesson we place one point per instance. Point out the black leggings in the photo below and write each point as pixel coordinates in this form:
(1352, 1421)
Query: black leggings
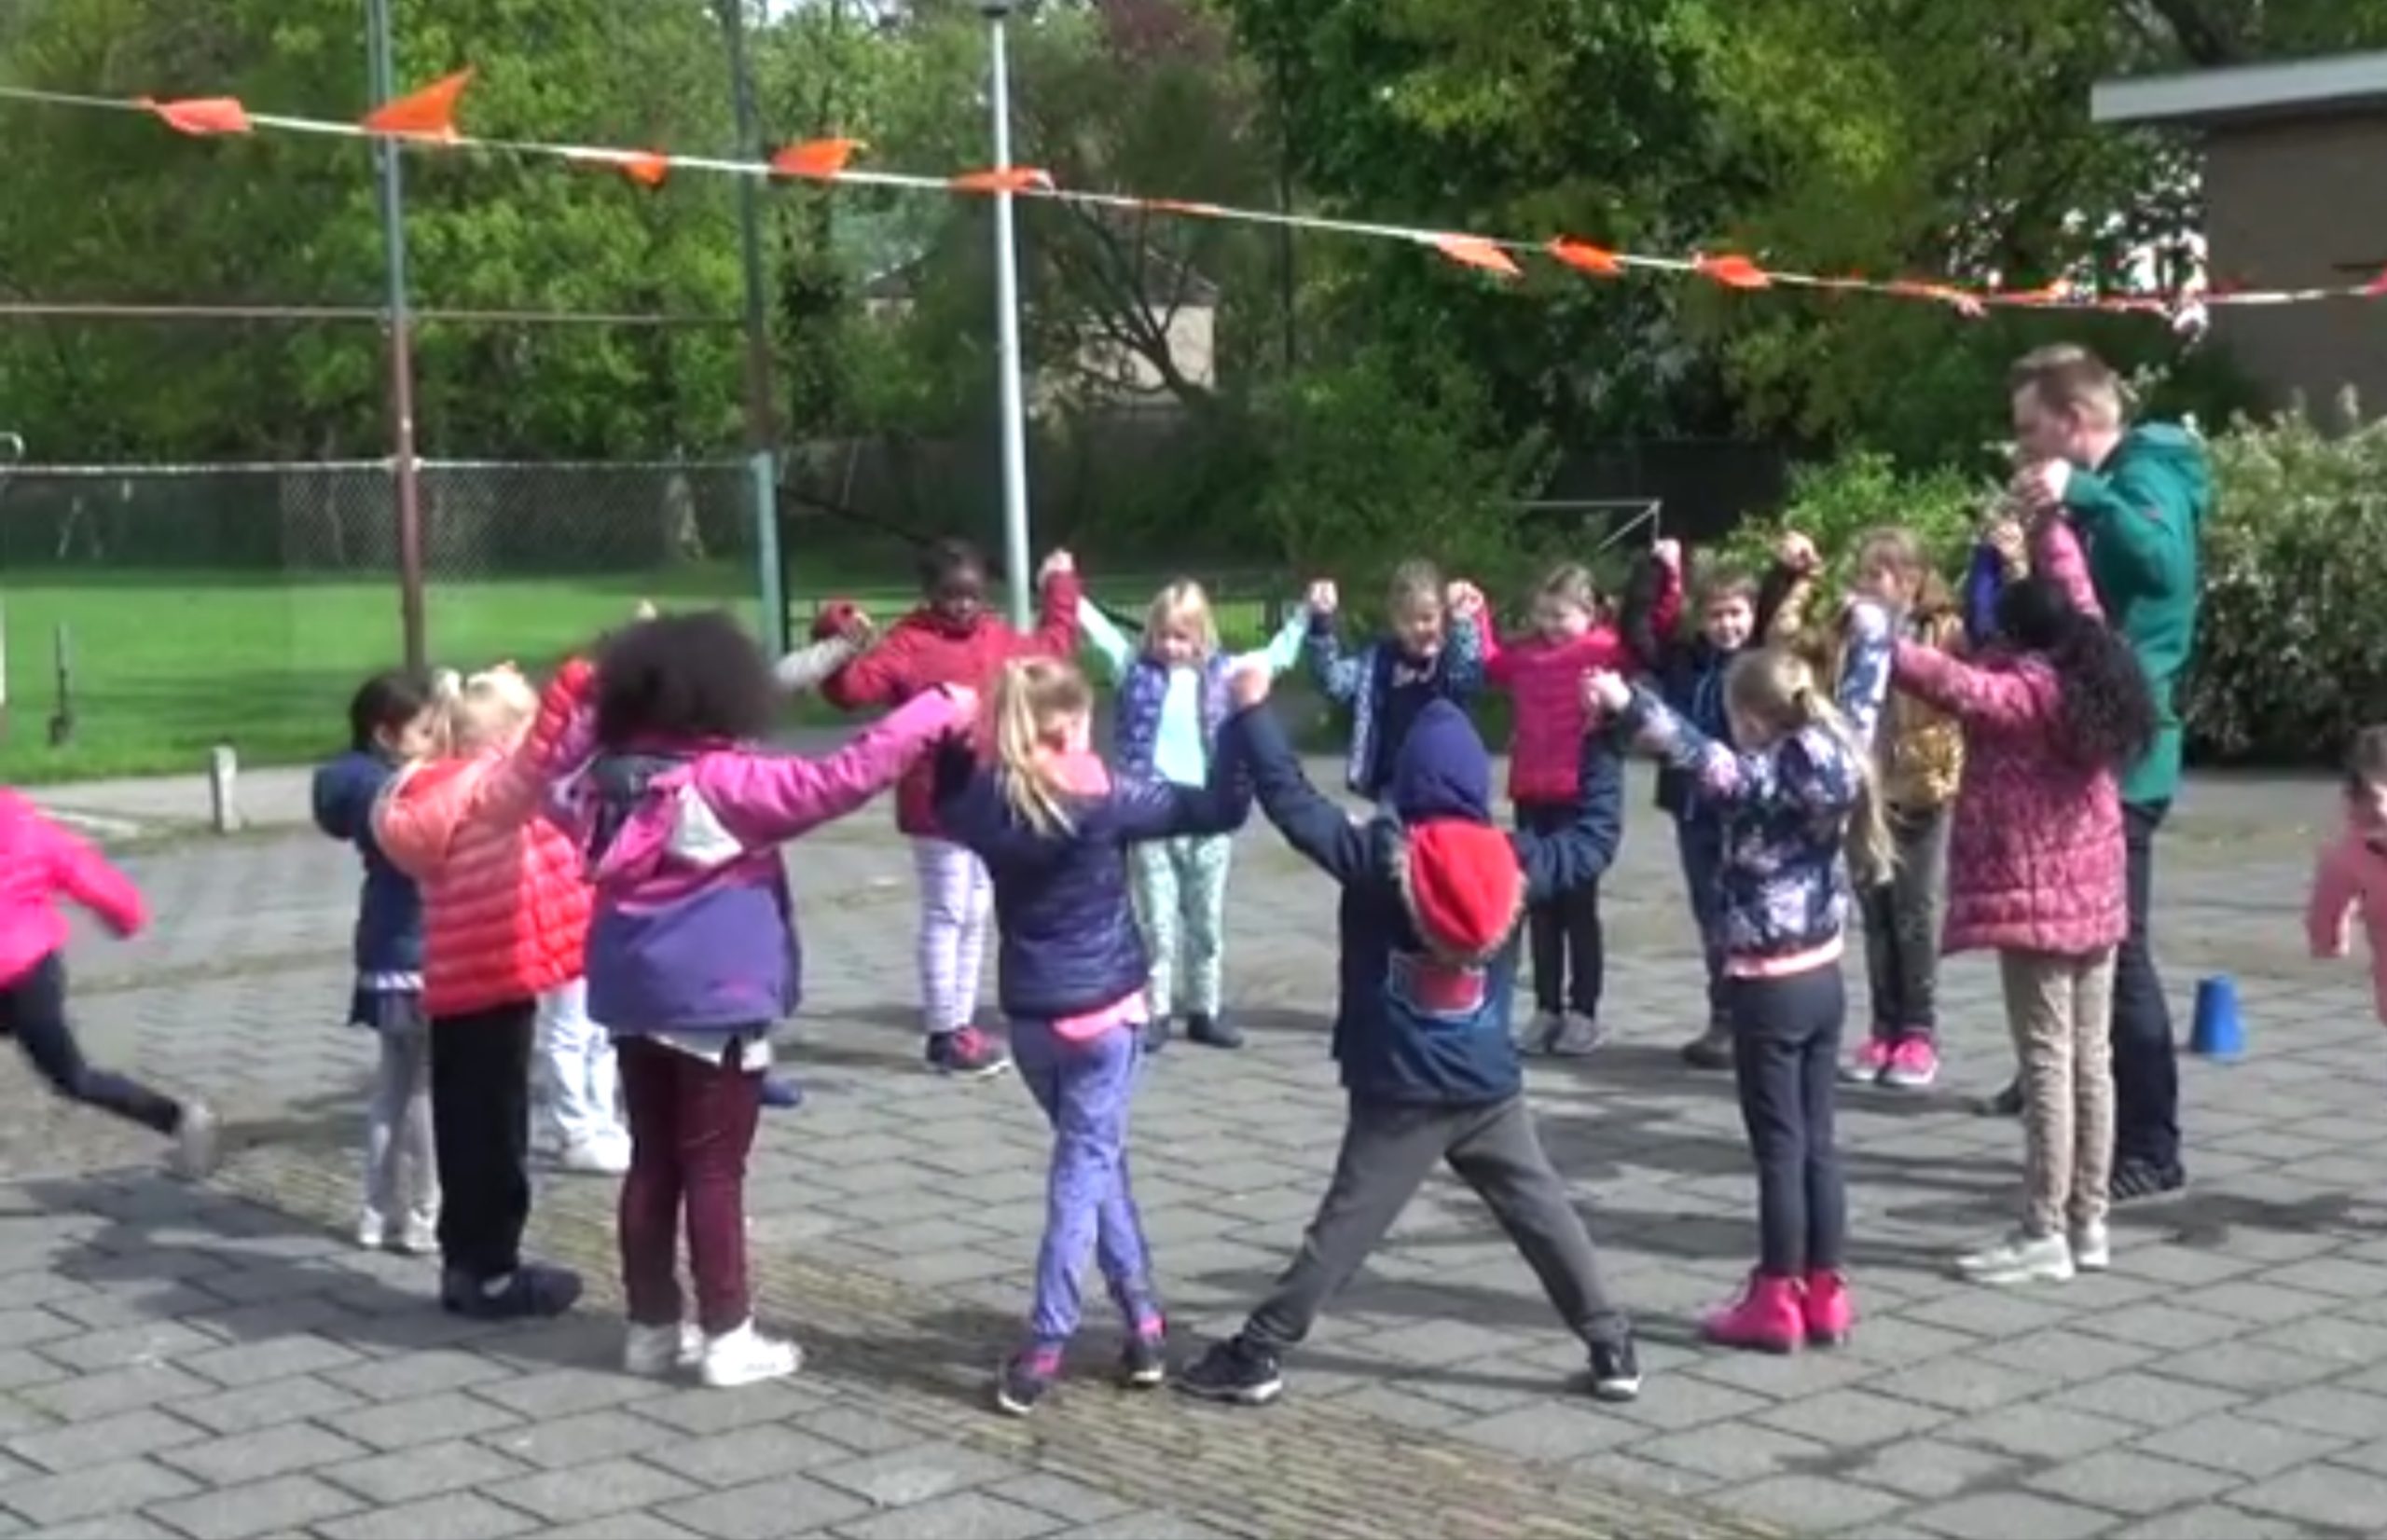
(1786, 1035)
(33, 1011)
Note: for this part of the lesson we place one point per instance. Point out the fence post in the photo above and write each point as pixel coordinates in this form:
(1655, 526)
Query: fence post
(767, 571)
(224, 789)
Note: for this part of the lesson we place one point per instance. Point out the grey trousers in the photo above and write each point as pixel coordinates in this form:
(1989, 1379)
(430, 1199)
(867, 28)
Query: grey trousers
(1902, 928)
(1387, 1150)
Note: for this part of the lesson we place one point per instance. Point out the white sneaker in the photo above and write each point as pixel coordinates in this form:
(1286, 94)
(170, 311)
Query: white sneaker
(372, 1232)
(1579, 1037)
(1547, 1028)
(198, 1143)
(594, 1157)
(744, 1357)
(655, 1352)
(2093, 1247)
(2020, 1258)
(420, 1237)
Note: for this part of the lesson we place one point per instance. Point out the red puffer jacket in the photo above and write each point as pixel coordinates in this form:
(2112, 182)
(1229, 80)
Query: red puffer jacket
(505, 905)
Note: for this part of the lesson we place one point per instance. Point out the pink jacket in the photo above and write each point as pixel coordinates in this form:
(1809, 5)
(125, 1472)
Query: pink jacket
(39, 862)
(2035, 861)
(2351, 875)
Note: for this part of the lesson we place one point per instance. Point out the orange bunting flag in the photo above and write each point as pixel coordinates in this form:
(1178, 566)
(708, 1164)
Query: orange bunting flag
(1171, 205)
(1582, 255)
(647, 167)
(1011, 179)
(1473, 251)
(201, 117)
(817, 159)
(1966, 304)
(427, 114)
(2375, 289)
(1734, 272)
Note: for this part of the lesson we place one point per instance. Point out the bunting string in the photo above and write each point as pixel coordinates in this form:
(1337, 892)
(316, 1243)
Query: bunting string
(428, 118)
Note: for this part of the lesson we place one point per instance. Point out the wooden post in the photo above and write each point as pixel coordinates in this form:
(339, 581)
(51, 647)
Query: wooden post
(224, 789)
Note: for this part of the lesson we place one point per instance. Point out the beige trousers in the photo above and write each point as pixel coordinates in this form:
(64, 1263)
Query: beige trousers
(2060, 1009)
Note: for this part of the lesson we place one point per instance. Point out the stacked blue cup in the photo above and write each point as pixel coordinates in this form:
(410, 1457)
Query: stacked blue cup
(2219, 1033)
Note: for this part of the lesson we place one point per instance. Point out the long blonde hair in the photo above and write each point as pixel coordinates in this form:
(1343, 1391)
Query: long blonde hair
(1777, 685)
(1892, 546)
(1183, 602)
(489, 709)
(1034, 698)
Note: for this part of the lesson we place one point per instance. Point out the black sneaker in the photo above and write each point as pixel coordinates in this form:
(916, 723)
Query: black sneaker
(967, 1054)
(2136, 1181)
(2006, 1104)
(1143, 1363)
(1211, 1031)
(532, 1291)
(1711, 1049)
(1237, 1371)
(1025, 1379)
(1616, 1370)
(1156, 1034)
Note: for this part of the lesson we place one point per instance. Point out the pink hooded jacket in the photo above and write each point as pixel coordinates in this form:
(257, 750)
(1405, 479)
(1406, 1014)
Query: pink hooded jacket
(2350, 875)
(2035, 859)
(40, 861)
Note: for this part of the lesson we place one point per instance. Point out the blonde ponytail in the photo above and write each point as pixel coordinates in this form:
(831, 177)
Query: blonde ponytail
(1778, 684)
(1034, 698)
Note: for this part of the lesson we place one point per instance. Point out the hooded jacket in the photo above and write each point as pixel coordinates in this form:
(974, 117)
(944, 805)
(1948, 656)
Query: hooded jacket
(389, 910)
(40, 863)
(2140, 513)
(1431, 899)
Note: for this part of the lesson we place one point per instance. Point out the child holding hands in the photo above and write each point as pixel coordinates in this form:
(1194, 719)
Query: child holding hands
(1434, 650)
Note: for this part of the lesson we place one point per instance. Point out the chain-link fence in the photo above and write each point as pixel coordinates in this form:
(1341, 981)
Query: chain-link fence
(152, 611)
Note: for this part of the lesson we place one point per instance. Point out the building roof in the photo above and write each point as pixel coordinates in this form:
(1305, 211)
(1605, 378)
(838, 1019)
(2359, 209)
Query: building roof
(2304, 88)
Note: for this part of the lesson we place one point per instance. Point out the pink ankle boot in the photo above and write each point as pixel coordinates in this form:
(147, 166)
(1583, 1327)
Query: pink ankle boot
(1767, 1317)
(1831, 1310)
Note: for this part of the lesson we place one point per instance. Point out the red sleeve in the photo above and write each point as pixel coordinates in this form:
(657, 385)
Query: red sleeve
(881, 677)
(1665, 614)
(1057, 620)
(1500, 663)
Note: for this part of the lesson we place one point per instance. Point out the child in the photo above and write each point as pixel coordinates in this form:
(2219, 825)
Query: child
(1432, 894)
(40, 863)
(952, 639)
(389, 725)
(582, 1084)
(1388, 683)
(1172, 700)
(1798, 786)
(1691, 681)
(1919, 758)
(2053, 713)
(2352, 871)
(692, 954)
(1544, 676)
(505, 914)
(1053, 827)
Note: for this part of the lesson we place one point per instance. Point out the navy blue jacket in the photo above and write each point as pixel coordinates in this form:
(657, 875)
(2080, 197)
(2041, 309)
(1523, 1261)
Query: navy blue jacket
(1387, 1051)
(389, 910)
(1068, 942)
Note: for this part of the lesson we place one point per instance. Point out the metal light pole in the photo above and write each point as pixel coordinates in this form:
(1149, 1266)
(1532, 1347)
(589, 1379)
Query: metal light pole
(1015, 407)
(762, 437)
(380, 59)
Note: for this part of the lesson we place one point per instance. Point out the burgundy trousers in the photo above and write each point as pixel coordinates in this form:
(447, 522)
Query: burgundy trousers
(692, 1125)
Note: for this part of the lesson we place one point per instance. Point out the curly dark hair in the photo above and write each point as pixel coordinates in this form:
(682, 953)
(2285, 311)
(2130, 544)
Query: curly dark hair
(387, 700)
(683, 676)
(2108, 710)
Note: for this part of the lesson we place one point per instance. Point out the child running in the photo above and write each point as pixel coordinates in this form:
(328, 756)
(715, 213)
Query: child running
(1796, 789)
(1919, 756)
(2052, 712)
(693, 953)
(505, 914)
(1690, 678)
(40, 863)
(2352, 871)
(952, 638)
(1432, 895)
(1172, 700)
(1388, 683)
(391, 724)
(1573, 633)
(1053, 828)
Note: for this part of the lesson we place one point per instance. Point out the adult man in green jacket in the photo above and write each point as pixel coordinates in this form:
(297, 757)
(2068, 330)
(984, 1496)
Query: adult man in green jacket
(2138, 497)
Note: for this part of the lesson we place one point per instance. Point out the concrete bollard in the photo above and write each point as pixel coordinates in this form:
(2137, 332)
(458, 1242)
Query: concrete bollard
(224, 789)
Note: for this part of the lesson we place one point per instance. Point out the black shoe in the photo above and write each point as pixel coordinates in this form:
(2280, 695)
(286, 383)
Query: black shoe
(2006, 1104)
(1616, 1370)
(1025, 1379)
(2136, 1181)
(1155, 1034)
(532, 1291)
(1237, 1371)
(1143, 1363)
(1711, 1049)
(1211, 1031)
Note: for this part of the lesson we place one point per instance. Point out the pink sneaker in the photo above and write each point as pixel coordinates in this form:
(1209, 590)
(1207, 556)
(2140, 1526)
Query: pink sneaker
(1830, 1311)
(1766, 1317)
(1914, 1066)
(1866, 1066)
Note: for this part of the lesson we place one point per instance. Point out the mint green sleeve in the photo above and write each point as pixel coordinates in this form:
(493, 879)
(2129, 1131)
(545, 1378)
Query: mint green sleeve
(1284, 649)
(1108, 641)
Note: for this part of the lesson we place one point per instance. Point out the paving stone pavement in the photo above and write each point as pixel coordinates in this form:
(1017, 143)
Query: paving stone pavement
(217, 1363)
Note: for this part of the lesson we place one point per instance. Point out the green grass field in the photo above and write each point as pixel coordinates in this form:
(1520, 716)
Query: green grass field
(166, 664)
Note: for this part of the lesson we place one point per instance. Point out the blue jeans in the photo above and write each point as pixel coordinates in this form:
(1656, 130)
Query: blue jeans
(1085, 1089)
(1700, 844)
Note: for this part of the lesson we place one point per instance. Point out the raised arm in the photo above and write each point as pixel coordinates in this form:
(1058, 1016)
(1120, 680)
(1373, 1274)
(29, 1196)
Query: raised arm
(1104, 639)
(1807, 769)
(1652, 620)
(1782, 601)
(801, 670)
(1472, 641)
(2056, 556)
(1984, 578)
(1987, 697)
(1864, 668)
(1578, 855)
(1059, 599)
(2336, 888)
(881, 676)
(1340, 674)
(414, 829)
(767, 799)
(1159, 810)
(1284, 649)
(1312, 824)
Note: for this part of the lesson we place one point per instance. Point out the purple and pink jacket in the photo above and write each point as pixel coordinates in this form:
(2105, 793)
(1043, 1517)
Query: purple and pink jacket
(2035, 861)
(695, 927)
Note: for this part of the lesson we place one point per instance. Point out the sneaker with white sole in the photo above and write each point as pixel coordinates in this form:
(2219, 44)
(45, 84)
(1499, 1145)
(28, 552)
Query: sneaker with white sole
(2092, 1248)
(658, 1352)
(1865, 1066)
(744, 1357)
(1579, 1037)
(421, 1236)
(1548, 1026)
(372, 1231)
(595, 1157)
(198, 1143)
(2020, 1258)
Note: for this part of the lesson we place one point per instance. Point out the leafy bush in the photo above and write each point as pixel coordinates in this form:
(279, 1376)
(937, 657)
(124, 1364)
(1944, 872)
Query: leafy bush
(1835, 502)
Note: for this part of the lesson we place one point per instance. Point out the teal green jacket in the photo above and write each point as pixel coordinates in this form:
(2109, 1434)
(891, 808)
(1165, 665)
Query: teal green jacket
(2140, 515)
